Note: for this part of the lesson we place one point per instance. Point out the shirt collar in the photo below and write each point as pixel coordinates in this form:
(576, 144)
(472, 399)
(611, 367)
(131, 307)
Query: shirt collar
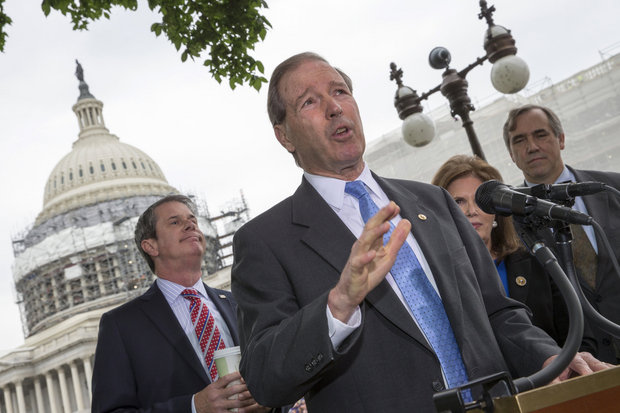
(332, 189)
(172, 290)
(565, 176)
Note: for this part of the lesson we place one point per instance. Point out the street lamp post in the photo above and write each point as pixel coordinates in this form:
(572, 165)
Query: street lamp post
(508, 75)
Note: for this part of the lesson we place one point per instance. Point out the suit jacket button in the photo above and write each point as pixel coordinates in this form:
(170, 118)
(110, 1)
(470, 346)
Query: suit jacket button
(438, 385)
(308, 368)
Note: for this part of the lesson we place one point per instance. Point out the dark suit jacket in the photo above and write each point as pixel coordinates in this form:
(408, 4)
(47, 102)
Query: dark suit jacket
(144, 361)
(287, 260)
(529, 283)
(604, 207)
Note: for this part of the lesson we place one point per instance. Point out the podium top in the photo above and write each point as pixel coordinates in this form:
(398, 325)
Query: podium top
(597, 392)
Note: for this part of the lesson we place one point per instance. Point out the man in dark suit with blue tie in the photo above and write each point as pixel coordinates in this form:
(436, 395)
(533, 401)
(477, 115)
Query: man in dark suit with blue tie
(535, 138)
(325, 307)
(149, 357)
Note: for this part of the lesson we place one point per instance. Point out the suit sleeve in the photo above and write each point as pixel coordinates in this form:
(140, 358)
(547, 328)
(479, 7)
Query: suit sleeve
(114, 382)
(286, 348)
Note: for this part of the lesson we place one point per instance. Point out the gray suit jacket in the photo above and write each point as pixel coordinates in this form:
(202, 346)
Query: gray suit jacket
(604, 207)
(287, 260)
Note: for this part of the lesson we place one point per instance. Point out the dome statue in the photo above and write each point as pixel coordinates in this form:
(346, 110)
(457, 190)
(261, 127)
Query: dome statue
(99, 167)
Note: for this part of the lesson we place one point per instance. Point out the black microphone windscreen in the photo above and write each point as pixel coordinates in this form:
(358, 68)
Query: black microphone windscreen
(484, 196)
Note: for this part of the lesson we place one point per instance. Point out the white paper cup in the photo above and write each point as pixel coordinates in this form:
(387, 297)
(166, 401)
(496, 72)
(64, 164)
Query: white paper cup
(227, 361)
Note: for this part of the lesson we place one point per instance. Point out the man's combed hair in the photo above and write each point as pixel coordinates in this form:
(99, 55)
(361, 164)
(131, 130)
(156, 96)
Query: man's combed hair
(511, 122)
(276, 108)
(145, 228)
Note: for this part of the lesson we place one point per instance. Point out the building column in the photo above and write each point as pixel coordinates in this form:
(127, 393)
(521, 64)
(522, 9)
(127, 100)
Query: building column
(64, 392)
(88, 371)
(77, 386)
(21, 401)
(50, 392)
(38, 394)
(8, 401)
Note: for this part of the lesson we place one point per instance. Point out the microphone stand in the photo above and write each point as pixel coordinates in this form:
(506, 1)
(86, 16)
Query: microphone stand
(500, 384)
(574, 337)
(563, 238)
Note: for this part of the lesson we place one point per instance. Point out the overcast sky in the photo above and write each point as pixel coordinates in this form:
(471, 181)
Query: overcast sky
(214, 142)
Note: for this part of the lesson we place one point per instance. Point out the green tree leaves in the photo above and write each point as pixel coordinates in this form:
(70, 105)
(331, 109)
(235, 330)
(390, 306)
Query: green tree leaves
(4, 21)
(226, 30)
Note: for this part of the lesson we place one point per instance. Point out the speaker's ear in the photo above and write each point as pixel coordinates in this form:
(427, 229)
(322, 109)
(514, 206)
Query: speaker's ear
(283, 138)
(150, 247)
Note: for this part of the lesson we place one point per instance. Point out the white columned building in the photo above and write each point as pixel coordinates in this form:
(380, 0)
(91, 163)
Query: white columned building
(79, 260)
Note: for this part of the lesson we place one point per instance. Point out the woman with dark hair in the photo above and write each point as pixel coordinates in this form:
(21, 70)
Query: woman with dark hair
(524, 279)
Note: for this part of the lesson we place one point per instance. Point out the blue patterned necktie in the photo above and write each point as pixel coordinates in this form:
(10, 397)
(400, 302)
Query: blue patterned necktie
(420, 296)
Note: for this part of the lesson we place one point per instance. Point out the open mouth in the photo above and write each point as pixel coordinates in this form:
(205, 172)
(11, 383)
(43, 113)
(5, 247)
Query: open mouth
(341, 132)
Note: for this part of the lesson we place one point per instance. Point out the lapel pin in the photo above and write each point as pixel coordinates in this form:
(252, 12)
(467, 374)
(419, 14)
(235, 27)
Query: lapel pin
(521, 281)
(222, 296)
(422, 217)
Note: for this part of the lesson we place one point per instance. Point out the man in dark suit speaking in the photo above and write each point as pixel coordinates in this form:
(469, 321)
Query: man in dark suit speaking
(535, 139)
(330, 312)
(149, 356)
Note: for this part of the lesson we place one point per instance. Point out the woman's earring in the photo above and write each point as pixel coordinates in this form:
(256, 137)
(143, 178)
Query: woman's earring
(494, 224)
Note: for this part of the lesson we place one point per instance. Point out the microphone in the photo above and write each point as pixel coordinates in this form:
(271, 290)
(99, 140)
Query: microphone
(562, 192)
(493, 197)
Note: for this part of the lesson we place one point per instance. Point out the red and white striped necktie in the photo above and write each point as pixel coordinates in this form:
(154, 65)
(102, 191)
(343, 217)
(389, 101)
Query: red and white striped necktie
(207, 332)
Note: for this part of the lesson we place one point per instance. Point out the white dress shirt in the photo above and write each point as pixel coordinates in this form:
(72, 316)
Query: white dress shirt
(346, 206)
(180, 307)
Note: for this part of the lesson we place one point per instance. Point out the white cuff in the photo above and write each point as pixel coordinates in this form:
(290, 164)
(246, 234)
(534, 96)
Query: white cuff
(338, 330)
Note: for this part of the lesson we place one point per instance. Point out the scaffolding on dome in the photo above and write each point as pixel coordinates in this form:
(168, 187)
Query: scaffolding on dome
(228, 222)
(93, 261)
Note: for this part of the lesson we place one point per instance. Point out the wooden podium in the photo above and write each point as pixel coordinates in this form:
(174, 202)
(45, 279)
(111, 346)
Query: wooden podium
(595, 393)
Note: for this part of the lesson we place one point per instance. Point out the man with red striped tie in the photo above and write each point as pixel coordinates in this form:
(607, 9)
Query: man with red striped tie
(155, 353)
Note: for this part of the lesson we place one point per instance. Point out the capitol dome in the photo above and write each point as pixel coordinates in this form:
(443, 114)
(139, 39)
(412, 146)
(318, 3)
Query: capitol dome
(80, 254)
(79, 260)
(99, 167)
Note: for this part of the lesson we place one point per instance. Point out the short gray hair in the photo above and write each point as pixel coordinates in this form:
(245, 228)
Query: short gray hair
(511, 122)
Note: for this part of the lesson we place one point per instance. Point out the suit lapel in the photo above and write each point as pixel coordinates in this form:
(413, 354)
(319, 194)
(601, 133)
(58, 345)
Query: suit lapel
(331, 239)
(427, 232)
(157, 310)
(326, 234)
(518, 266)
(226, 309)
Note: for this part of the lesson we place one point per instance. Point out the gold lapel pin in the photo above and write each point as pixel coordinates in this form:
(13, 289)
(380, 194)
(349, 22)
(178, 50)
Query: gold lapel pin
(422, 217)
(222, 296)
(521, 281)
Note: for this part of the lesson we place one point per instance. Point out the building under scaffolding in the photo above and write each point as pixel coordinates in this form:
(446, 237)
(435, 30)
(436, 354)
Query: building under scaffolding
(588, 103)
(79, 259)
